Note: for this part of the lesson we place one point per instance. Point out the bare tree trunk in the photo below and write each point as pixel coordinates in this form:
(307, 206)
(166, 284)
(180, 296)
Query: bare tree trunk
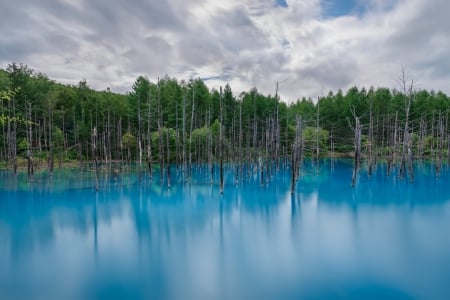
(30, 167)
(422, 135)
(149, 142)
(297, 149)
(410, 158)
(139, 133)
(317, 137)
(177, 139)
(184, 138)
(255, 128)
(94, 156)
(407, 90)
(393, 151)
(277, 130)
(440, 141)
(13, 139)
(63, 146)
(5, 135)
(120, 139)
(210, 154)
(160, 137)
(50, 140)
(357, 155)
(168, 159)
(448, 138)
(221, 142)
(241, 159)
(192, 129)
(108, 136)
(371, 142)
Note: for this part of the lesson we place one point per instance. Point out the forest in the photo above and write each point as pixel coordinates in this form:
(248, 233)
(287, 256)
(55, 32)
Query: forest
(183, 122)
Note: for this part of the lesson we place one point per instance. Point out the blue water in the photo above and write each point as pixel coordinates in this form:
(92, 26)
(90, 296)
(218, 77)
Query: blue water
(385, 239)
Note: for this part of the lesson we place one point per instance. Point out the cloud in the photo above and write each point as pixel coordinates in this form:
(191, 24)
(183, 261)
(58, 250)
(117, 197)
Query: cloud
(309, 46)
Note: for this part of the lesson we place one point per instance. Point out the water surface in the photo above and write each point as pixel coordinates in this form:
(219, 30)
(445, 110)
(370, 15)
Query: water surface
(135, 239)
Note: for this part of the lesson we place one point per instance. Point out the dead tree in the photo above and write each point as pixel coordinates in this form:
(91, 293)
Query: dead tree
(393, 149)
(168, 158)
(210, 154)
(406, 149)
(277, 130)
(160, 136)
(221, 143)
(317, 137)
(192, 129)
(357, 156)
(241, 159)
(184, 138)
(50, 140)
(139, 137)
(29, 129)
(440, 141)
(149, 142)
(13, 136)
(94, 156)
(297, 152)
(370, 148)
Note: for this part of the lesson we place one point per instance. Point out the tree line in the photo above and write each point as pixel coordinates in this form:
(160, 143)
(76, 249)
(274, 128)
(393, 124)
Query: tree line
(183, 122)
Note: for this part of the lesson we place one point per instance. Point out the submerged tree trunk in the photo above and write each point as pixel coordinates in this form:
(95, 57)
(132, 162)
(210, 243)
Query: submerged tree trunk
(221, 142)
(50, 141)
(94, 156)
(406, 148)
(191, 130)
(370, 150)
(160, 137)
(168, 160)
(13, 139)
(357, 155)
(184, 138)
(317, 138)
(149, 141)
(297, 152)
(30, 168)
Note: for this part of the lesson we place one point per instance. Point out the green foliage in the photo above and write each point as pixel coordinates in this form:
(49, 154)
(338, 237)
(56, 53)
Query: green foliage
(23, 146)
(310, 137)
(155, 138)
(129, 141)
(58, 139)
(31, 100)
(202, 134)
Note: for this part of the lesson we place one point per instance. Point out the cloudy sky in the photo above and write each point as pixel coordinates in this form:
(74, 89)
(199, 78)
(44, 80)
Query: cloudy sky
(308, 46)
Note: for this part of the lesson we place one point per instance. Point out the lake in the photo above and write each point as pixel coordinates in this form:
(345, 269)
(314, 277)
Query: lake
(387, 238)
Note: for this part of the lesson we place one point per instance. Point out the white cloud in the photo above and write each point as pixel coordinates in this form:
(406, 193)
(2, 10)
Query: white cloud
(247, 43)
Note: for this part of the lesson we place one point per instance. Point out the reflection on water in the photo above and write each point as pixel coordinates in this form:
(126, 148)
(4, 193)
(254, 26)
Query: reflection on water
(386, 238)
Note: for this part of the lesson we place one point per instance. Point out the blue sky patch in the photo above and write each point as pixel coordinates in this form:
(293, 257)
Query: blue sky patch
(338, 8)
(281, 3)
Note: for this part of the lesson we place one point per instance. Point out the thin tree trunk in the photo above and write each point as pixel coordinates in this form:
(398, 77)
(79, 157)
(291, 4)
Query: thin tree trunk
(371, 142)
(192, 128)
(149, 143)
(221, 142)
(357, 155)
(29, 144)
(296, 153)
(94, 156)
(160, 137)
(184, 138)
(50, 140)
(168, 159)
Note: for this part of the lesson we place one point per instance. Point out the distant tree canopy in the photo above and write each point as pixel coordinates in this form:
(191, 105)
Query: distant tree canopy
(37, 114)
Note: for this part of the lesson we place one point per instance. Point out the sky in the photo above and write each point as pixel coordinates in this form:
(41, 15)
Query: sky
(308, 46)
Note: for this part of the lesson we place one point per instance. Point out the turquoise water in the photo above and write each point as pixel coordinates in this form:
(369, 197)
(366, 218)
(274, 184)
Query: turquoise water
(385, 239)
